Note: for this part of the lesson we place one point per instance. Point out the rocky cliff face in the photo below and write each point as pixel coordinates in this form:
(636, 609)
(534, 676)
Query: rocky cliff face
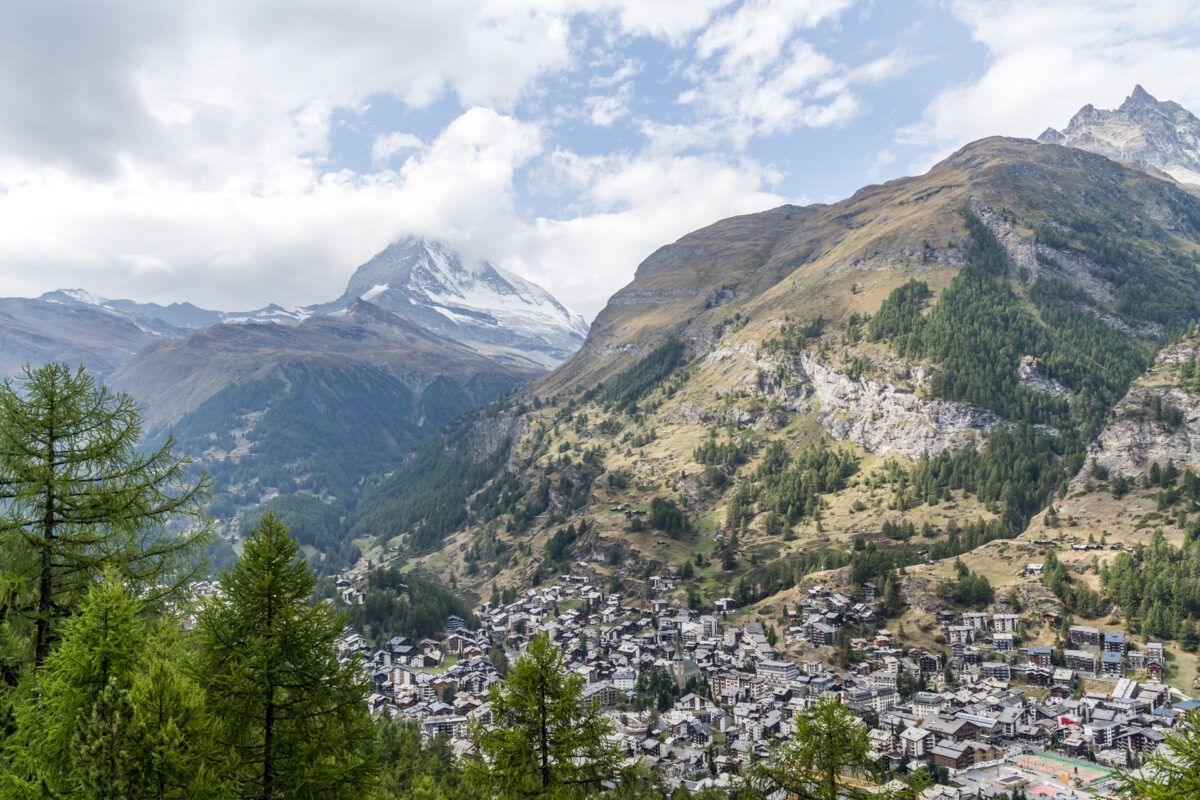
(1156, 422)
(1160, 134)
(882, 417)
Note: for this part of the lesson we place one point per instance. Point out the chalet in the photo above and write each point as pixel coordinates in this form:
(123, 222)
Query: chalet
(976, 620)
(602, 695)
(927, 662)
(824, 635)
(995, 670)
(953, 755)
(1038, 676)
(960, 634)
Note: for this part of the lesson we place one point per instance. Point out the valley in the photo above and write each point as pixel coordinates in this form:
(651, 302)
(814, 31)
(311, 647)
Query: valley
(932, 450)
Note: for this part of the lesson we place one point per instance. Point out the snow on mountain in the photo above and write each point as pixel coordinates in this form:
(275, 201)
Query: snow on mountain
(1162, 134)
(491, 310)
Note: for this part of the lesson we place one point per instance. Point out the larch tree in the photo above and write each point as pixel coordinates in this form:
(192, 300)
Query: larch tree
(1174, 769)
(826, 758)
(545, 741)
(293, 714)
(89, 673)
(77, 495)
(111, 713)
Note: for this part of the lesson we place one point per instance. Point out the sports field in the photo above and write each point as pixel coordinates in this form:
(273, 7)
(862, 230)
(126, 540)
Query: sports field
(1047, 764)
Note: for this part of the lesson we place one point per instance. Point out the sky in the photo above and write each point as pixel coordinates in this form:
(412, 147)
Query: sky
(234, 153)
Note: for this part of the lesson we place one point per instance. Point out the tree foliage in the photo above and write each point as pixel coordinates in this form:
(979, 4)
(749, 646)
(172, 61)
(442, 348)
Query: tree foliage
(77, 495)
(292, 713)
(544, 741)
(1174, 769)
(828, 744)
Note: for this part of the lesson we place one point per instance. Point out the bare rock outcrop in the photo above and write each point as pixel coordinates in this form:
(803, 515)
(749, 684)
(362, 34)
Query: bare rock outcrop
(1030, 376)
(1135, 438)
(888, 419)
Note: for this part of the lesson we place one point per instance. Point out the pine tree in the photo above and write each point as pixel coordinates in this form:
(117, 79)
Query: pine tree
(545, 742)
(78, 495)
(291, 712)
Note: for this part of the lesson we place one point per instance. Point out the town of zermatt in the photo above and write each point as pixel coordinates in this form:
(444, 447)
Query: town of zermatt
(600, 399)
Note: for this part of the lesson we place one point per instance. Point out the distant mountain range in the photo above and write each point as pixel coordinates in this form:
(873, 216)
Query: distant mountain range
(497, 314)
(1160, 134)
(280, 400)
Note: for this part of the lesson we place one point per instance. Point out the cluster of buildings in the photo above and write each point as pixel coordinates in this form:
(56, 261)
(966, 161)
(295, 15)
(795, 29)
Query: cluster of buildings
(733, 696)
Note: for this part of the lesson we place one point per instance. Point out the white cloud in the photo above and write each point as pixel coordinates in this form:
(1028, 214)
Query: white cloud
(1048, 58)
(629, 207)
(605, 109)
(762, 78)
(387, 145)
(169, 239)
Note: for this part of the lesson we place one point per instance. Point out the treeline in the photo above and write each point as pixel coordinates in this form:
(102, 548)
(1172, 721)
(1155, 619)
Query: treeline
(623, 391)
(1017, 470)
(794, 336)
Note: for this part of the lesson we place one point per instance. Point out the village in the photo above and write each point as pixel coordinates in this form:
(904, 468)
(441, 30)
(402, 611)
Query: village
(702, 695)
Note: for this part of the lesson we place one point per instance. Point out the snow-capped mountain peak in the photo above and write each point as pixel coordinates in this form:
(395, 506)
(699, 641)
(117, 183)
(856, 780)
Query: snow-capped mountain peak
(488, 309)
(1162, 134)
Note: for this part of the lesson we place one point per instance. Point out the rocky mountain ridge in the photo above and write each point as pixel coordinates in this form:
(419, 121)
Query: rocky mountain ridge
(1160, 134)
(493, 311)
(931, 355)
(497, 315)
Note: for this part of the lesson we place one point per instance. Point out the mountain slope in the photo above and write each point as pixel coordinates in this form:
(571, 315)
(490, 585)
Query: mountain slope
(1161, 134)
(918, 368)
(38, 331)
(314, 407)
(494, 312)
